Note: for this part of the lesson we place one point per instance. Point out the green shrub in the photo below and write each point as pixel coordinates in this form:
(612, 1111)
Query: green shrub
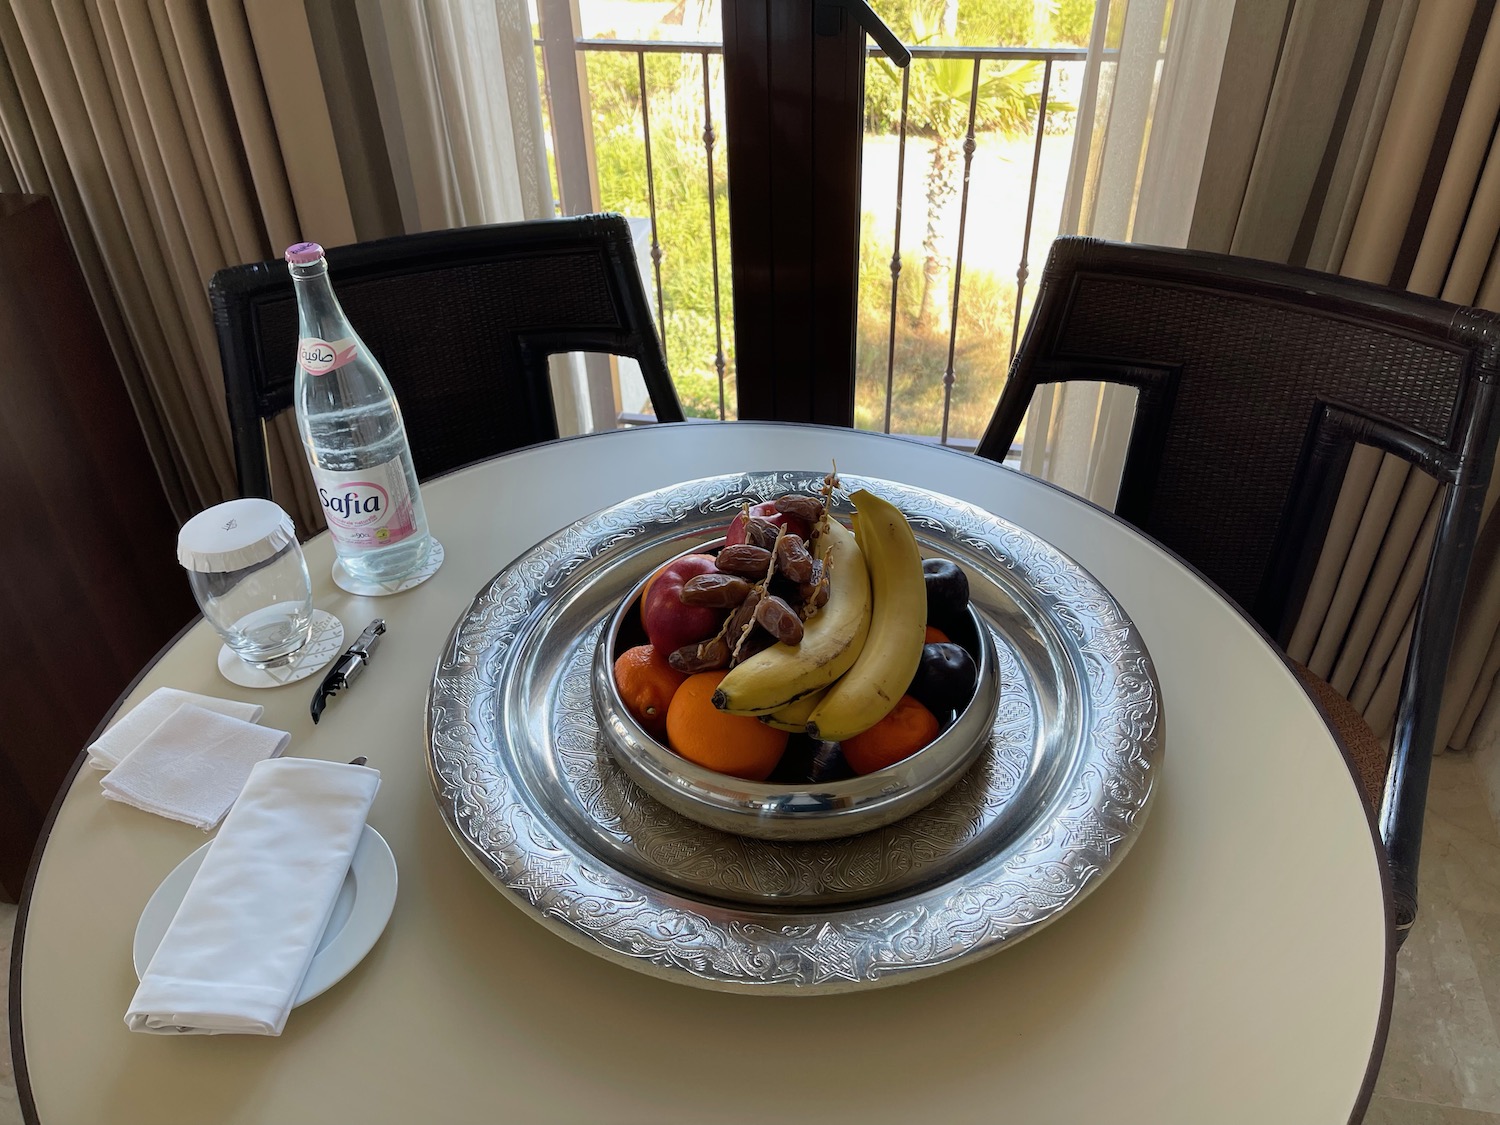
(1072, 20)
(997, 23)
(981, 351)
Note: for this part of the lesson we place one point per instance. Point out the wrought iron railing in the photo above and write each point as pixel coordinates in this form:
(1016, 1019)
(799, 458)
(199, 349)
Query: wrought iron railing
(978, 56)
(641, 48)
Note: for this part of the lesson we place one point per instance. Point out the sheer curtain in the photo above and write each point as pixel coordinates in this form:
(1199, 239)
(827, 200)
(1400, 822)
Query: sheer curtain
(456, 86)
(1143, 130)
(460, 116)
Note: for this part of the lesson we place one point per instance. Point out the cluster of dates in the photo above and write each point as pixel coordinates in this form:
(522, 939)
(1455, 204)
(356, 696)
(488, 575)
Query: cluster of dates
(713, 611)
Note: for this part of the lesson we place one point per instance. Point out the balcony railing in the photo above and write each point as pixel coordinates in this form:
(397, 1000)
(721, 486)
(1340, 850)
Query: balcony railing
(574, 172)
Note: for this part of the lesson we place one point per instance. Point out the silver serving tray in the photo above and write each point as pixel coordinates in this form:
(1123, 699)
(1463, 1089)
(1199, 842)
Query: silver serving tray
(534, 799)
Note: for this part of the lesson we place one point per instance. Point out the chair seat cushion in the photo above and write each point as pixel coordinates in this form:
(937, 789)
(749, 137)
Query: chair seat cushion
(1369, 754)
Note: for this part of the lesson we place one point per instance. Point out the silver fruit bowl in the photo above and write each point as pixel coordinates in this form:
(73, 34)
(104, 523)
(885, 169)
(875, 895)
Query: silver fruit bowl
(807, 811)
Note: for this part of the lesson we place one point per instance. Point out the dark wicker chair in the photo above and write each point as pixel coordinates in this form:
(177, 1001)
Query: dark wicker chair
(1254, 383)
(463, 322)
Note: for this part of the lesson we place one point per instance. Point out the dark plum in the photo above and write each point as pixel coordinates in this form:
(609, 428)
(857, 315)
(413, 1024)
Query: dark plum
(828, 764)
(945, 679)
(947, 590)
(806, 762)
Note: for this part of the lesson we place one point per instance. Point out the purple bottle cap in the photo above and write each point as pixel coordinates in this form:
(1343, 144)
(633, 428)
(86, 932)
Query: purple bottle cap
(303, 253)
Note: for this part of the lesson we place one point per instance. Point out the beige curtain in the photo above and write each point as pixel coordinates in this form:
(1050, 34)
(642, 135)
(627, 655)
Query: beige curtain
(1372, 156)
(176, 138)
(1356, 626)
(1305, 90)
(1143, 131)
(181, 136)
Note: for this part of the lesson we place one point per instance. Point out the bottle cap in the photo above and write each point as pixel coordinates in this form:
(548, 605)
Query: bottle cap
(234, 535)
(303, 253)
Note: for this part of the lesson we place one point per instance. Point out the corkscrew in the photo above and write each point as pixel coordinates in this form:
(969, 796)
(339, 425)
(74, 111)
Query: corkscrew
(347, 668)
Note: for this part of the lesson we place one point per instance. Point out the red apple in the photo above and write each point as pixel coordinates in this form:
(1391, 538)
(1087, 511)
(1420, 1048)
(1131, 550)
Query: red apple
(766, 511)
(670, 624)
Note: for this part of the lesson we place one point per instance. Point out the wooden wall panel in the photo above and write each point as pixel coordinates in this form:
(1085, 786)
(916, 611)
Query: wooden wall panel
(90, 588)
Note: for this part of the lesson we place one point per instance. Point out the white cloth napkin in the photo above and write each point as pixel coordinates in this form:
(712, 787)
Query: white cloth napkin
(131, 730)
(192, 766)
(235, 954)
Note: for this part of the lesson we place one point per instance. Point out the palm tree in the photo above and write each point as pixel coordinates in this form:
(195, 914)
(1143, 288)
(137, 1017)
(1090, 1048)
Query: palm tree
(1007, 99)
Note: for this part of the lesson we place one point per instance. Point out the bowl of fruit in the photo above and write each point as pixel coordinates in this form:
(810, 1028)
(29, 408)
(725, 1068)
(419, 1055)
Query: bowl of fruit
(798, 678)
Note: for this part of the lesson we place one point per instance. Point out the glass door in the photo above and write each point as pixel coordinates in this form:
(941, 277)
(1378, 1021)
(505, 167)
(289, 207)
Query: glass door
(633, 96)
(965, 166)
(885, 220)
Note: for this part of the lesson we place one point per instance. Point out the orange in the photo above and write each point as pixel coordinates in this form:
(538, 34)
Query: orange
(903, 732)
(647, 684)
(734, 744)
(936, 636)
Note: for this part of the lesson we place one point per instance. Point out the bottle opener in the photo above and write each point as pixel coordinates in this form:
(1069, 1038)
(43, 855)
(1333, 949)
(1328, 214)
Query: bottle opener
(346, 668)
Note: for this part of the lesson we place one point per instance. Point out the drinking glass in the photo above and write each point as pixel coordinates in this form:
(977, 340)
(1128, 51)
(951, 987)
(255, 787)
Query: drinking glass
(250, 579)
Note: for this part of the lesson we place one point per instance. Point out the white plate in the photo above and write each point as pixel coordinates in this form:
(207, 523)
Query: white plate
(359, 914)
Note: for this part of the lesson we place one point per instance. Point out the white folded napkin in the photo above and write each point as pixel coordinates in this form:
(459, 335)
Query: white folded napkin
(192, 766)
(130, 730)
(235, 954)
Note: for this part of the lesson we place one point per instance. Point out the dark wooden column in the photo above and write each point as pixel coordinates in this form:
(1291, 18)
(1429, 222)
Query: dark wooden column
(794, 91)
(90, 588)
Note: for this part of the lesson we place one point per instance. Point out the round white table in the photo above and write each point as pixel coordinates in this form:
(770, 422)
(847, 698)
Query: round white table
(1236, 967)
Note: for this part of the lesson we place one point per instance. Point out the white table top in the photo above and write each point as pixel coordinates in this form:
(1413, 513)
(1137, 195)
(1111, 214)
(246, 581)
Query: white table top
(1234, 968)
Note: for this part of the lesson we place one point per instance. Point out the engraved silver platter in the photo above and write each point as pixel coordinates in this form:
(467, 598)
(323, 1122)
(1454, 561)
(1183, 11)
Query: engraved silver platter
(536, 802)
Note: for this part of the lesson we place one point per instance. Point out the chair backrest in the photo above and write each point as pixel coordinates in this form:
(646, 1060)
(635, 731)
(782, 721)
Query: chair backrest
(463, 322)
(1254, 383)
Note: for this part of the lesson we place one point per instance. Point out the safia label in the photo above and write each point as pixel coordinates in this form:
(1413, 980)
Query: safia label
(319, 357)
(367, 508)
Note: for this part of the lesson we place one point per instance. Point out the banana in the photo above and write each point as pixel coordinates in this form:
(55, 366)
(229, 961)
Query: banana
(868, 691)
(793, 717)
(831, 642)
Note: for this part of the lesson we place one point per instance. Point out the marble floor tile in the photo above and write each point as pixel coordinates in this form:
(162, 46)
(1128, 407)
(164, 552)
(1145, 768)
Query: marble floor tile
(1460, 843)
(1394, 1111)
(1482, 931)
(1461, 863)
(1444, 1044)
(1443, 1047)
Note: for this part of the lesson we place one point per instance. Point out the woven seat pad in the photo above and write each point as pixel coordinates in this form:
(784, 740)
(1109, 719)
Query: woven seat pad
(1370, 755)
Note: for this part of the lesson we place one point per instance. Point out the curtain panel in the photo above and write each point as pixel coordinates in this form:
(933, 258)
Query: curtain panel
(176, 139)
(460, 124)
(1143, 131)
(180, 136)
(1372, 154)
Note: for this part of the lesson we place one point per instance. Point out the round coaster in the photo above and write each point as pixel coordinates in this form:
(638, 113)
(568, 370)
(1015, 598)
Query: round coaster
(326, 642)
(346, 581)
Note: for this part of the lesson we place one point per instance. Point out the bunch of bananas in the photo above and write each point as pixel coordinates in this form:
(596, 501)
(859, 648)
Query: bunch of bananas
(859, 654)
